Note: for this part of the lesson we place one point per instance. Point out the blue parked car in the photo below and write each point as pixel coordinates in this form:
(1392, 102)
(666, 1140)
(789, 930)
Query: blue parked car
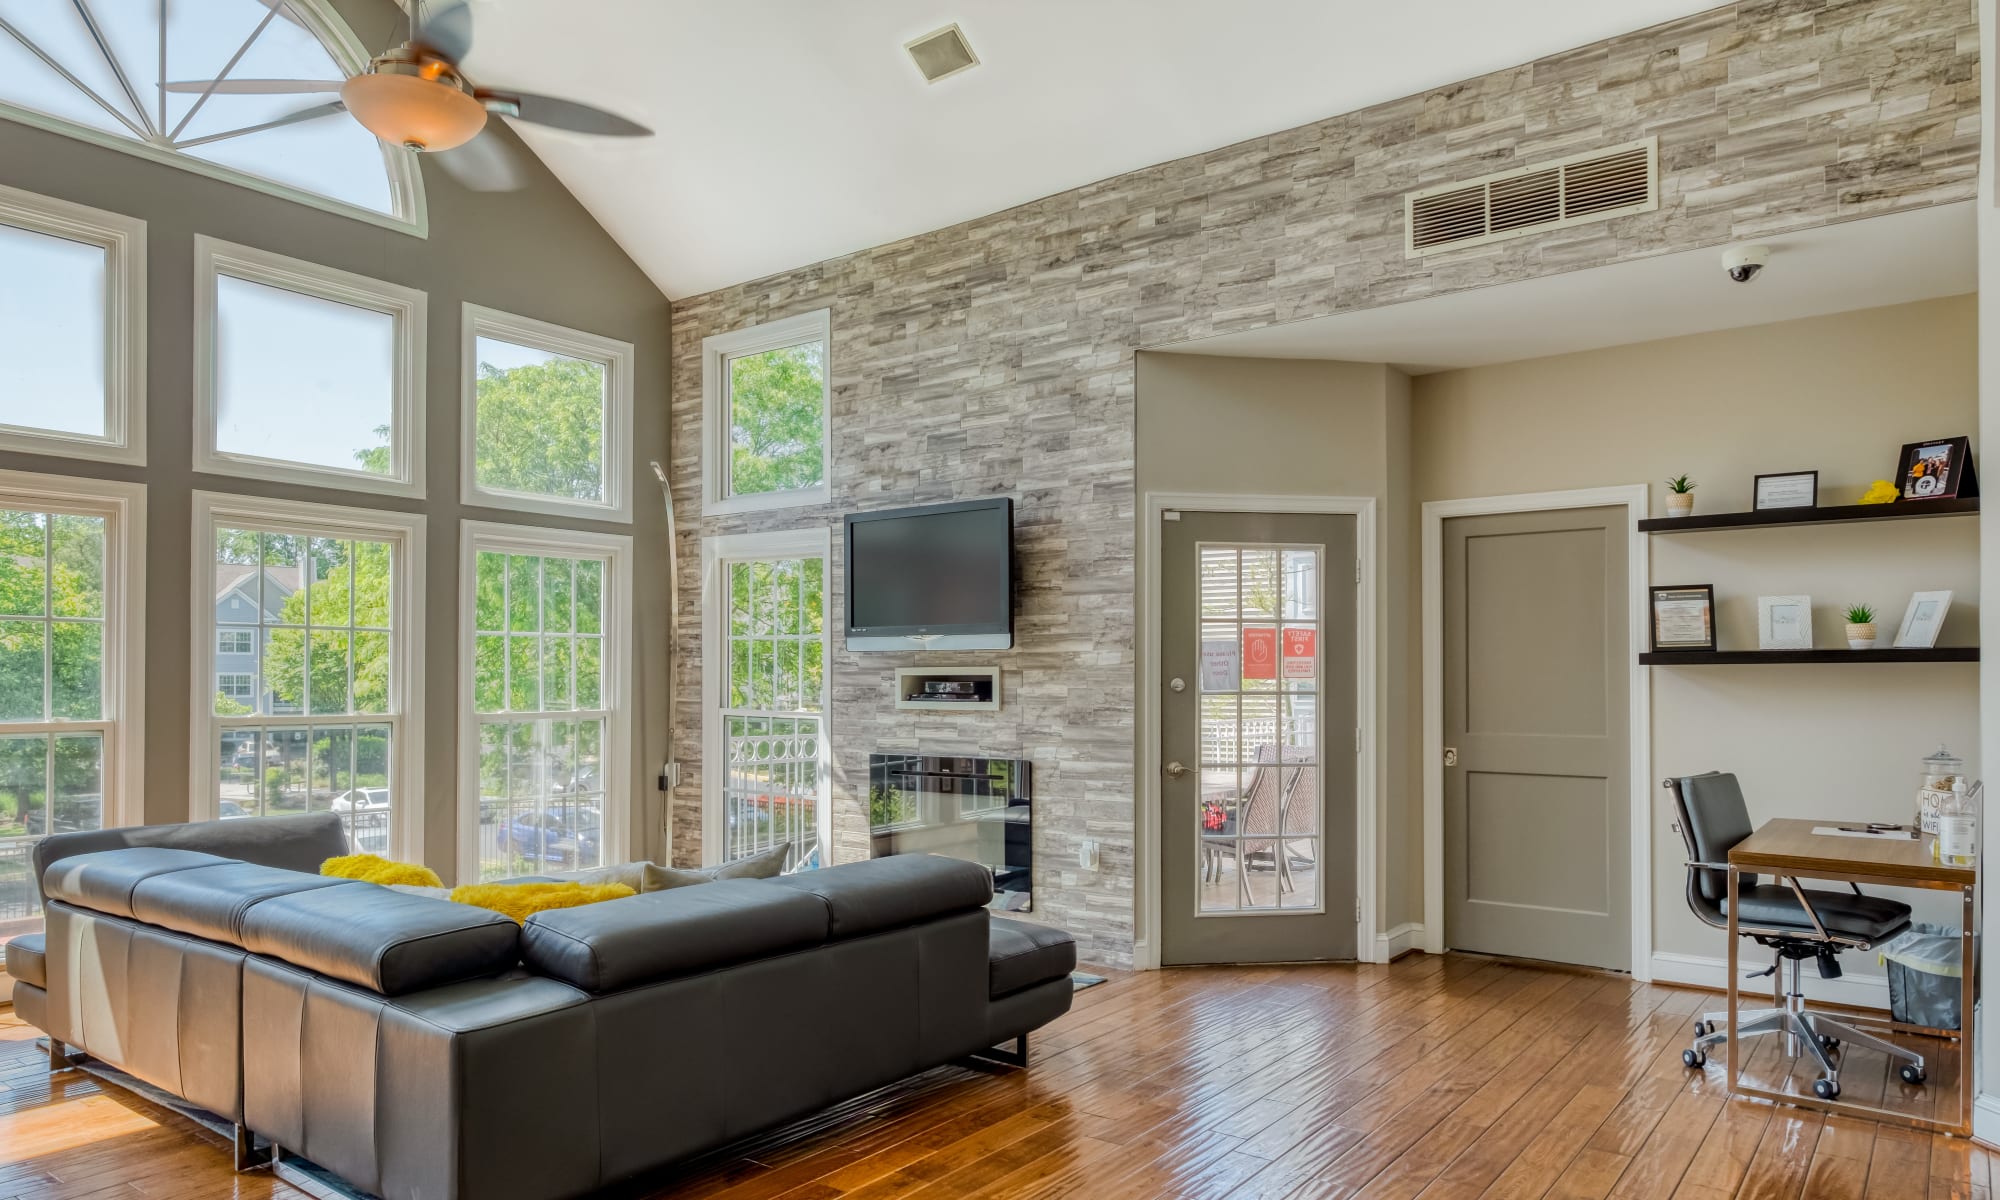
(557, 837)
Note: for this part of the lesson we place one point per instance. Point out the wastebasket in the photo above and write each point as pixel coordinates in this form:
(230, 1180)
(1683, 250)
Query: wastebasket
(1924, 969)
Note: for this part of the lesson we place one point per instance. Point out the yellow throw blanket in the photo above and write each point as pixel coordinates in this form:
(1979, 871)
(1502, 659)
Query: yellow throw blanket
(373, 868)
(523, 900)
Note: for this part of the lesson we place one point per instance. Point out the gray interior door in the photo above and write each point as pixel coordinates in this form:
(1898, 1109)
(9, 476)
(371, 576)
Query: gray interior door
(1537, 804)
(1257, 737)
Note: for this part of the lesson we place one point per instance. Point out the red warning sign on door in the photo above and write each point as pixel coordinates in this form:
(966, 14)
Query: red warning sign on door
(1299, 652)
(1260, 654)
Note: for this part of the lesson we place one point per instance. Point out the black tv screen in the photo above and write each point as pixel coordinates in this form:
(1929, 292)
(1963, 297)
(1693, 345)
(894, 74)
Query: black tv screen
(939, 577)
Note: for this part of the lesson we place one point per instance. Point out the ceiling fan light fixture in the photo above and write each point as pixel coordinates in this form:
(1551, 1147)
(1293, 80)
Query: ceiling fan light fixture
(411, 110)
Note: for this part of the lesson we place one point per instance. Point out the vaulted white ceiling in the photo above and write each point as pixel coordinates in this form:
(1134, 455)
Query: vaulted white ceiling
(792, 131)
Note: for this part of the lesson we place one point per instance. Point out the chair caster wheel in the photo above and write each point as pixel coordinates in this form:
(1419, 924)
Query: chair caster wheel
(1826, 1089)
(1694, 1058)
(1831, 1043)
(1911, 1073)
(1703, 1029)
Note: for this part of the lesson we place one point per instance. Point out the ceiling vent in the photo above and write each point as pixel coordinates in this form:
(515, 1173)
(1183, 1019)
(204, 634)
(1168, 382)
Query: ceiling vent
(942, 53)
(1552, 195)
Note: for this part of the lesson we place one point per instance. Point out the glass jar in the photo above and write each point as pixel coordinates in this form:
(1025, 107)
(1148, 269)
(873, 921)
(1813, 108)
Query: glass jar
(1940, 770)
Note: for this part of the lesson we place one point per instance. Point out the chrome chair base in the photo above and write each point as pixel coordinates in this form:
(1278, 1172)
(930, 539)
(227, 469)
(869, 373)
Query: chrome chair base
(1821, 1034)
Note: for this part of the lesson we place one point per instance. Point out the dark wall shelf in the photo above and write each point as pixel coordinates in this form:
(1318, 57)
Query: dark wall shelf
(1834, 515)
(1737, 658)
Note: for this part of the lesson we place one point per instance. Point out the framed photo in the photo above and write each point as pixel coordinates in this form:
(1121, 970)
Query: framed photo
(1684, 617)
(1795, 489)
(1922, 620)
(1784, 622)
(1939, 469)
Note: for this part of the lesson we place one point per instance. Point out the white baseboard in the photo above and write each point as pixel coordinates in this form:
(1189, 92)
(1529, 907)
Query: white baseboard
(1857, 991)
(1401, 940)
(1986, 1118)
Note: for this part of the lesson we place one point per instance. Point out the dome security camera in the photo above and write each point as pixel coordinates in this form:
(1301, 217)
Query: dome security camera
(1744, 262)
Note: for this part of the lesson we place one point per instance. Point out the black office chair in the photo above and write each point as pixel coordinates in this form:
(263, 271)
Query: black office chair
(1795, 923)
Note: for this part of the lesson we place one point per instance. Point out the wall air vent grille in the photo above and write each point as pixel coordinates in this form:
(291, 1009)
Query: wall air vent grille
(941, 53)
(1552, 195)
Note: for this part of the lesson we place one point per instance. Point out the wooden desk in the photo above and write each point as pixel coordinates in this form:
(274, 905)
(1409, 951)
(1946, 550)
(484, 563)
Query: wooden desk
(1790, 850)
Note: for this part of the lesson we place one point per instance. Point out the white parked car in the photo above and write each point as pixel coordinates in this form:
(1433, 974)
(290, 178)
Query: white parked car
(361, 800)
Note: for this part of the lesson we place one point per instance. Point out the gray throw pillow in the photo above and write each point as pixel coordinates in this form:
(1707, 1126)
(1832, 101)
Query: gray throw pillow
(417, 889)
(768, 864)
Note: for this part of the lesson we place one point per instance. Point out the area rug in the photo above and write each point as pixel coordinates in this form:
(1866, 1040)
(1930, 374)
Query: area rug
(1083, 979)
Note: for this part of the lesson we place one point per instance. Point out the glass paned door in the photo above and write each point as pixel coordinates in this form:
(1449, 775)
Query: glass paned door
(1258, 737)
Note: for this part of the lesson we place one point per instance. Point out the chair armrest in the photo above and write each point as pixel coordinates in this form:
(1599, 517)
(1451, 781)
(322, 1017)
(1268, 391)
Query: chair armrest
(1708, 866)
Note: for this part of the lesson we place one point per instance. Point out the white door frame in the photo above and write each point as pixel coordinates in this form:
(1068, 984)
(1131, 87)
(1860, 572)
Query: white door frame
(1635, 499)
(1367, 800)
(716, 550)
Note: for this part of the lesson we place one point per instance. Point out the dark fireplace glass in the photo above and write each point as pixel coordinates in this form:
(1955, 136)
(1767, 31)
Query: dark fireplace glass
(977, 809)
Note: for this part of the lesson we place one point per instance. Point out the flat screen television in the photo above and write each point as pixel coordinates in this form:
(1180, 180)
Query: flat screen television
(940, 577)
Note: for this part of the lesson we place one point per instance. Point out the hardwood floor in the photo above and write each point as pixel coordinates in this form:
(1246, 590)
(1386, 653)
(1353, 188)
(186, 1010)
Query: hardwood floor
(1434, 1077)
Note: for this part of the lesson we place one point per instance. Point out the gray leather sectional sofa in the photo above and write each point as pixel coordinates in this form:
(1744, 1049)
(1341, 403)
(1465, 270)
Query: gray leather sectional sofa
(423, 1049)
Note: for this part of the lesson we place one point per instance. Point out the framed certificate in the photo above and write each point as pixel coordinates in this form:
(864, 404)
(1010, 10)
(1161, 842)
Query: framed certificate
(1684, 617)
(1795, 489)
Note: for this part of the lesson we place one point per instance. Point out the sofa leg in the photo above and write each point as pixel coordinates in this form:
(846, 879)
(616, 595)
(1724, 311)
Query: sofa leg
(1017, 1057)
(59, 1057)
(248, 1155)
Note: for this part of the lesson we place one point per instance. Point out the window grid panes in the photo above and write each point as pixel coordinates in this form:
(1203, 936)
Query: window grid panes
(773, 724)
(776, 401)
(53, 727)
(1258, 838)
(539, 695)
(303, 704)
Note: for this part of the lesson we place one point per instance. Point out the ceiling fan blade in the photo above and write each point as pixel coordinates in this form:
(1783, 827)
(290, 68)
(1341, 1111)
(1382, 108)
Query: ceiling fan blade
(557, 113)
(484, 164)
(445, 32)
(255, 87)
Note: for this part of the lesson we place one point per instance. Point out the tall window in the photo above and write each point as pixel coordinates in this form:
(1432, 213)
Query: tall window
(72, 329)
(313, 668)
(70, 672)
(547, 416)
(306, 374)
(766, 415)
(767, 783)
(145, 78)
(545, 733)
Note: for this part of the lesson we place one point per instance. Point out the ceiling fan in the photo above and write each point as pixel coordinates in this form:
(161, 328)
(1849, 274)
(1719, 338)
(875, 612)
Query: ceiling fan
(415, 95)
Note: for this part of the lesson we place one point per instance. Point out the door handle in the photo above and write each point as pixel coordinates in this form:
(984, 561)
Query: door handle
(1451, 756)
(1175, 770)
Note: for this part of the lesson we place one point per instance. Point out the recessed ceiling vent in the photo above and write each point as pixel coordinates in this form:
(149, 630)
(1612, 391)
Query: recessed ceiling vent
(942, 53)
(1568, 191)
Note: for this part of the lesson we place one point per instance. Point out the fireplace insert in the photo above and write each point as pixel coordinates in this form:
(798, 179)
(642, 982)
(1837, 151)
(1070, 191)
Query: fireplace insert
(976, 809)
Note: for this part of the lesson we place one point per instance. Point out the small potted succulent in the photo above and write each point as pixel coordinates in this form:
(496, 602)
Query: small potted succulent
(1860, 627)
(1680, 496)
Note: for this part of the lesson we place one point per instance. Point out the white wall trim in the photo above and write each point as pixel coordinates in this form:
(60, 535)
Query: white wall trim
(1400, 940)
(716, 351)
(1986, 1119)
(618, 660)
(1695, 970)
(1635, 499)
(1369, 779)
(123, 240)
(615, 447)
(405, 534)
(213, 257)
(716, 552)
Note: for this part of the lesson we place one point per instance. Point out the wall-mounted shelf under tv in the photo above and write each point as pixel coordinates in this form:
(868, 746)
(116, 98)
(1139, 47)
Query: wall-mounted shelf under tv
(973, 688)
(1838, 514)
(1738, 658)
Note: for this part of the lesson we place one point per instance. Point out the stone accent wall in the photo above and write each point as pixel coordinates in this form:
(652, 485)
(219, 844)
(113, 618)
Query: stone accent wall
(996, 356)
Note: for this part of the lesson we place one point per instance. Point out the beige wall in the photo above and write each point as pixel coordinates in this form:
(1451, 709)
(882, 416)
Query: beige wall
(1840, 394)
(1258, 426)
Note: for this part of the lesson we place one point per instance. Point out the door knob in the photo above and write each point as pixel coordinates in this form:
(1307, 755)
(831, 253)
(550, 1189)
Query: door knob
(1451, 756)
(1175, 770)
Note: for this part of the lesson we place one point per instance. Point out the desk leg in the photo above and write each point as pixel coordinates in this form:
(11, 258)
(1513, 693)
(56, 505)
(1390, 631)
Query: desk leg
(1968, 977)
(1730, 1006)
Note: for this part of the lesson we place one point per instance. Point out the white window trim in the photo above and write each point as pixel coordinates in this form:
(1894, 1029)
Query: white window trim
(616, 356)
(123, 507)
(406, 414)
(618, 658)
(716, 554)
(123, 240)
(716, 351)
(404, 532)
(406, 179)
